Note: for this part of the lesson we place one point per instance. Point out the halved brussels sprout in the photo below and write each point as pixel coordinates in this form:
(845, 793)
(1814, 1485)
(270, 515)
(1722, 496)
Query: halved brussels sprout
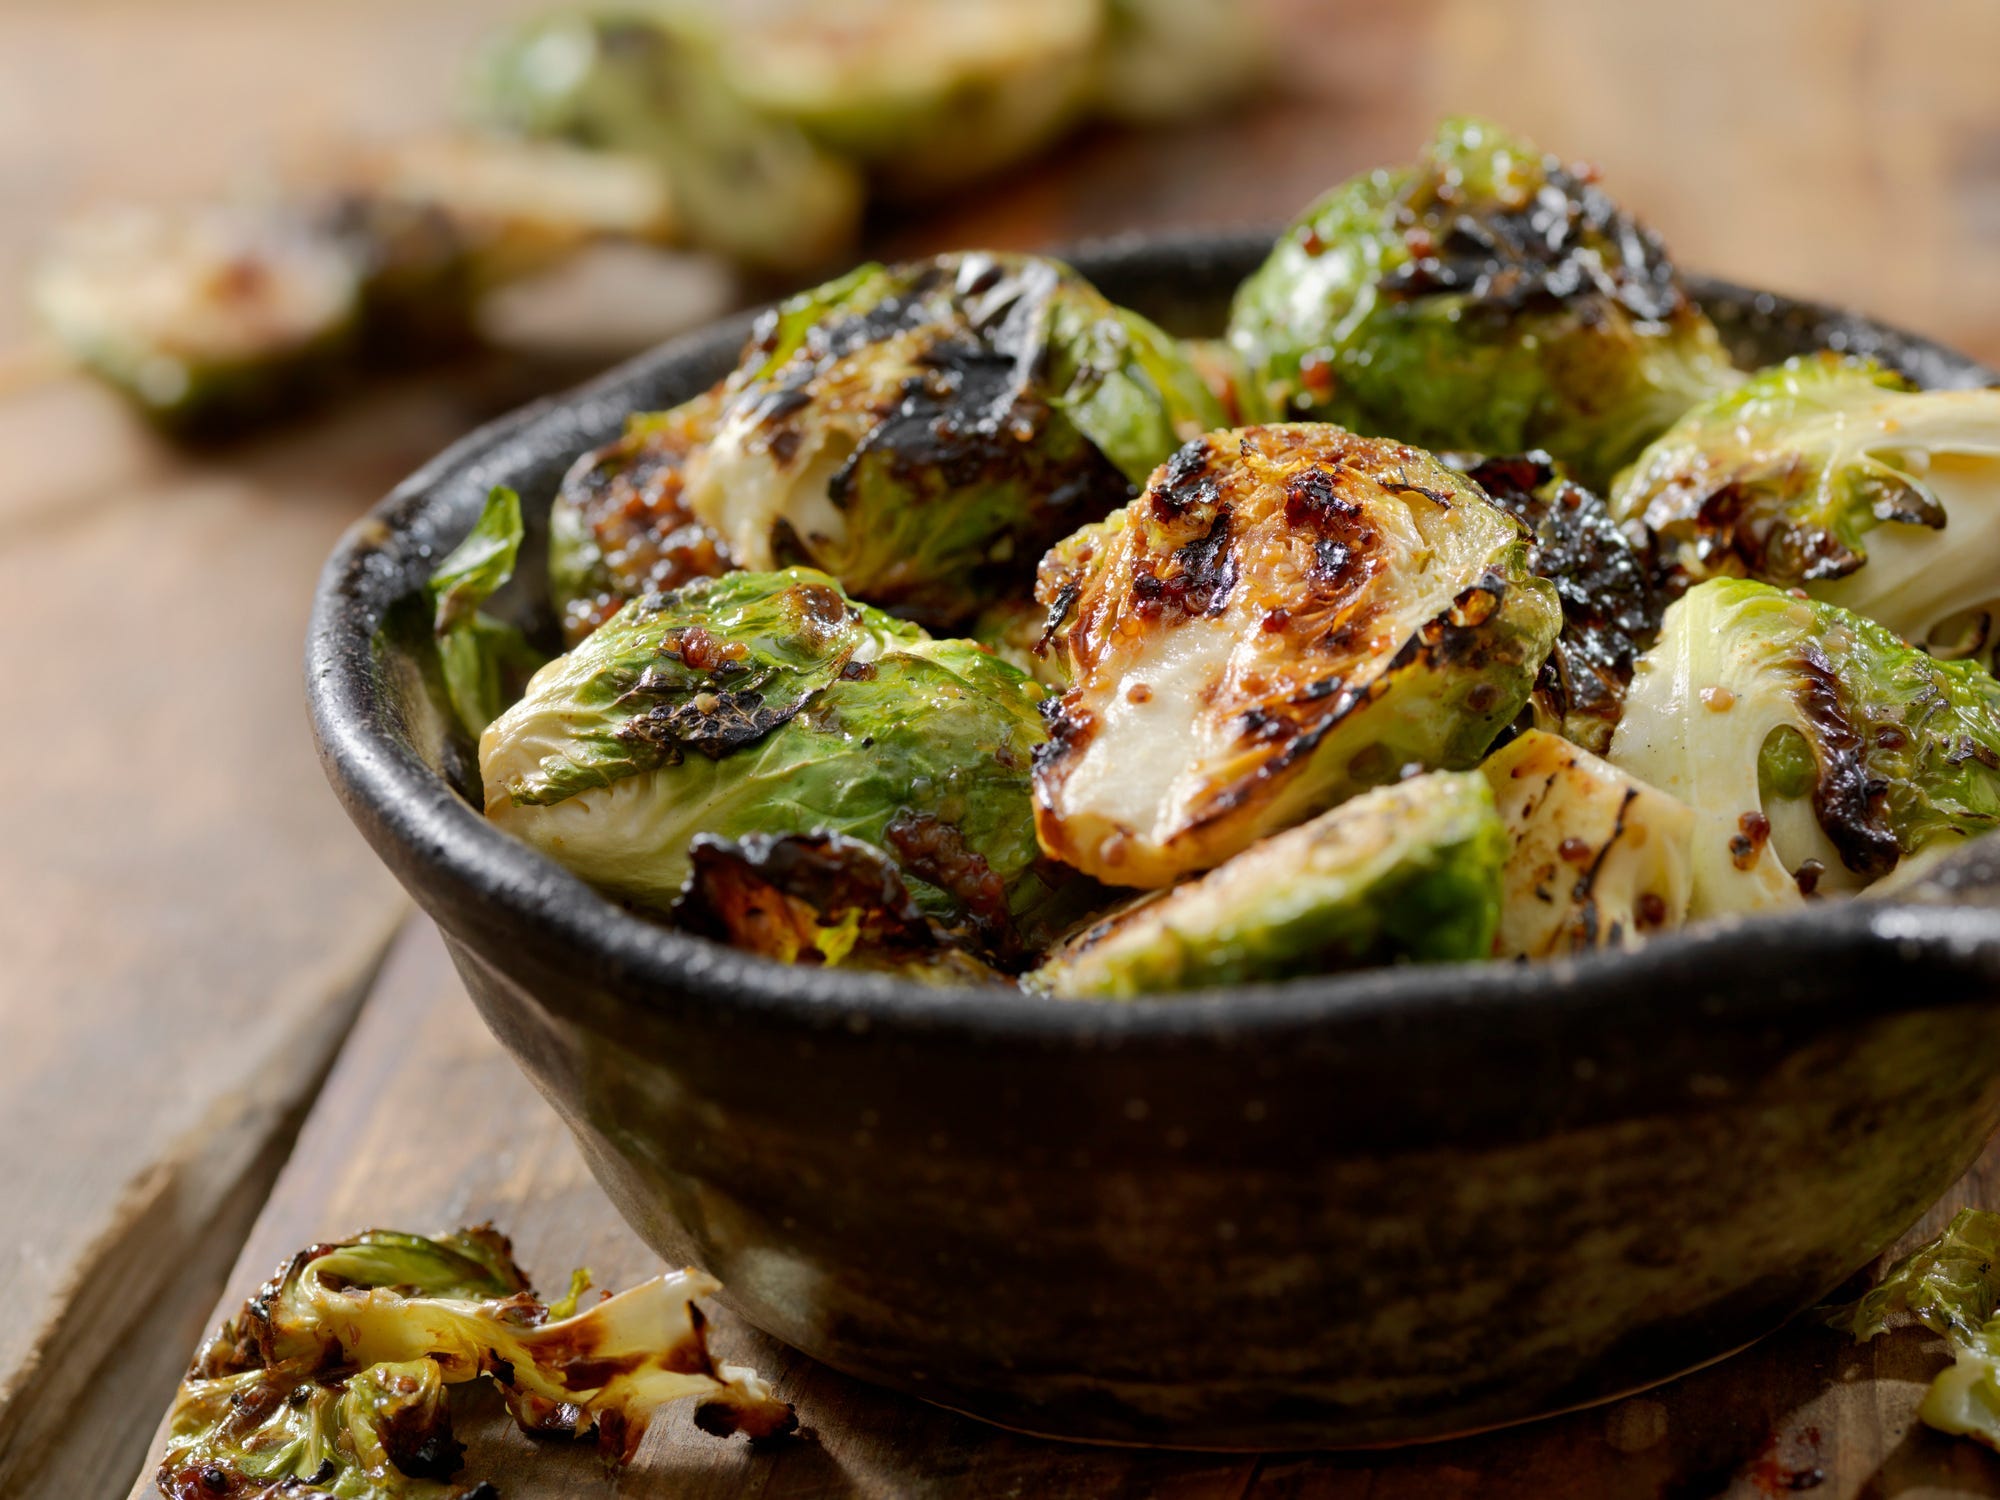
(1596, 858)
(925, 96)
(1610, 610)
(1403, 872)
(1836, 474)
(1487, 298)
(768, 703)
(620, 525)
(1289, 615)
(923, 431)
(821, 898)
(650, 83)
(1816, 748)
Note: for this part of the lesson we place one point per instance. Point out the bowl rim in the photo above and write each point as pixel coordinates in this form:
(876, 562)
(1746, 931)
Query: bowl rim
(401, 803)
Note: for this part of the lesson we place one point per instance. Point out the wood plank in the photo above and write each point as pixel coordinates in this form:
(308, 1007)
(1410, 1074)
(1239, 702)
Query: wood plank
(425, 1124)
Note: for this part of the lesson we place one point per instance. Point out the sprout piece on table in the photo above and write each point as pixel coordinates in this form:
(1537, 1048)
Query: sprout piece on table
(769, 703)
(922, 432)
(1835, 474)
(1816, 748)
(1288, 616)
(1610, 610)
(1405, 872)
(1487, 298)
(331, 1380)
(1596, 858)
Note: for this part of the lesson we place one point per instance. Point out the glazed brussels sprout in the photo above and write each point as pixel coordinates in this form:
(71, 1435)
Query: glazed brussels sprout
(1596, 858)
(1487, 298)
(1409, 872)
(923, 432)
(1816, 748)
(1610, 610)
(824, 899)
(1288, 616)
(768, 703)
(1837, 475)
(651, 83)
(620, 525)
(925, 96)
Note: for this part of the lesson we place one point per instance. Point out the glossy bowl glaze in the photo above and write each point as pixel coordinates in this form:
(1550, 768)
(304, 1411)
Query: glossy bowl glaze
(1379, 1208)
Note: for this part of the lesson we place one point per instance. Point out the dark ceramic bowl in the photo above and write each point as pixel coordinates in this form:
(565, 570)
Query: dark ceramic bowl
(1370, 1209)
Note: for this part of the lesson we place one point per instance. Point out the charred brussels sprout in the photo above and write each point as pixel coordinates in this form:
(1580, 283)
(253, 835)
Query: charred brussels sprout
(1487, 298)
(768, 703)
(1835, 474)
(1610, 611)
(651, 83)
(1404, 872)
(824, 899)
(1816, 748)
(1596, 858)
(922, 432)
(331, 1380)
(1289, 615)
(620, 525)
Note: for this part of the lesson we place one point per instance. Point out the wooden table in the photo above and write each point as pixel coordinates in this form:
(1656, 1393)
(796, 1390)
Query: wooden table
(189, 928)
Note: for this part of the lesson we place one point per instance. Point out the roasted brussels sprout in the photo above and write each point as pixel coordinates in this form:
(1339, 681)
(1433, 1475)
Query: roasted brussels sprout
(1610, 610)
(767, 703)
(1596, 858)
(1289, 615)
(1835, 474)
(925, 96)
(821, 898)
(485, 662)
(1012, 630)
(651, 83)
(1403, 872)
(1488, 298)
(923, 431)
(620, 525)
(1815, 747)
(331, 1380)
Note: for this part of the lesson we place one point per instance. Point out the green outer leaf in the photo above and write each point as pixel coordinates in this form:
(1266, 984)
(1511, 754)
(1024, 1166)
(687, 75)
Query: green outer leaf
(1404, 872)
(473, 571)
(484, 661)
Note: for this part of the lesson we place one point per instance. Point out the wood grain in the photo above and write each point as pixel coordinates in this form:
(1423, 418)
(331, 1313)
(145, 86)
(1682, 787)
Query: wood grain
(425, 1124)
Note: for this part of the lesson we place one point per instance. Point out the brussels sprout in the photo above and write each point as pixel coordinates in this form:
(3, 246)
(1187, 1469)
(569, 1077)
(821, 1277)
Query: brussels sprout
(620, 525)
(1610, 611)
(1403, 872)
(923, 431)
(1167, 59)
(1012, 630)
(485, 662)
(650, 83)
(330, 1381)
(926, 96)
(1834, 473)
(1596, 858)
(1816, 748)
(207, 320)
(767, 703)
(1488, 298)
(820, 898)
(1287, 616)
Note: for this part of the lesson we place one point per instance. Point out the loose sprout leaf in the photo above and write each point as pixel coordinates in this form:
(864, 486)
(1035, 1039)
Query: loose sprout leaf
(1288, 616)
(1596, 858)
(1835, 474)
(1487, 298)
(769, 703)
(331, 1380)
(1904, 749)
(1610, 610)
(823, 899)
(1952, 1287)
(485, 662)
(1404, 872)
(923, 432)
